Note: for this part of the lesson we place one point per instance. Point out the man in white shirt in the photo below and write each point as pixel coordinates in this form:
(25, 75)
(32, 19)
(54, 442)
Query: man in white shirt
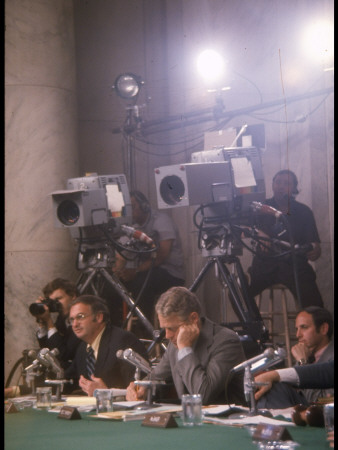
(314, 330)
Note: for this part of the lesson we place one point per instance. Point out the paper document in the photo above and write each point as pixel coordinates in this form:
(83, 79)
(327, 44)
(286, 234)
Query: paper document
(248, 420)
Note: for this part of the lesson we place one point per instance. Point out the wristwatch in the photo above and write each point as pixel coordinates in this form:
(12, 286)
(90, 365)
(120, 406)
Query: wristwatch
(302, 362)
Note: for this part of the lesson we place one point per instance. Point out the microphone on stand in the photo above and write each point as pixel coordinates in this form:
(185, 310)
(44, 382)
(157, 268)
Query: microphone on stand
(50, 357)
(265, 209)
(268, 353)
(40, 360)
(137, 234)
(135, 359)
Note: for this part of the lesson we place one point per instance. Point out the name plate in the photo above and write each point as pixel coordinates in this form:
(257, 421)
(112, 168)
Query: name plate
(69, 412)
(267, 432)
(11, 408)
(159, 420)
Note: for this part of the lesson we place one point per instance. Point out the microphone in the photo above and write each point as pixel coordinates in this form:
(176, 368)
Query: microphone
(268, 353)
(137, 234)
(134, 359)
(50, 357)
(38, 361)
(119, 354)
(278, 356)
(265, 209)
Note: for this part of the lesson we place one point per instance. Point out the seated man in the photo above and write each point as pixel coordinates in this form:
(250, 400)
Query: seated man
(302, 230)
(200, 353)
(59, 334)
(314, 327)
(53, 333)
(95, 363)
(312, 376)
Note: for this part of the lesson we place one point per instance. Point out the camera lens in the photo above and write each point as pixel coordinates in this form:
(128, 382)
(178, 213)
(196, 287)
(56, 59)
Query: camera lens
(68, 212)
(172, 189)
(36, 309)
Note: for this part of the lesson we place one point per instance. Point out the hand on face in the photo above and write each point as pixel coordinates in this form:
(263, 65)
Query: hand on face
(187, 335)
(300, 351)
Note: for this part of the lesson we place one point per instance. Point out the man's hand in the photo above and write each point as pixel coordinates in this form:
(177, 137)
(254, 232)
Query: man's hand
(187, 335)
(264, 241)
(315, 253)
(300, 351)
(265, 377)
(89, 386)
(135, 393)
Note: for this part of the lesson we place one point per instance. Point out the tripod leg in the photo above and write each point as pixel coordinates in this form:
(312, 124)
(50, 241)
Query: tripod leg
(200, 276)
(128, 299)
(88, 277)
(243, 305)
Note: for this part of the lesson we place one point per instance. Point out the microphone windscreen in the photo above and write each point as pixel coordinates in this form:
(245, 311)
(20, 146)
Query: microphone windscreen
(119, 354)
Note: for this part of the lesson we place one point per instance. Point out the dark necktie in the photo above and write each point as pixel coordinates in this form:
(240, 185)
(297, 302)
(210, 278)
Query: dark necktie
(90, 362)
(311, 359)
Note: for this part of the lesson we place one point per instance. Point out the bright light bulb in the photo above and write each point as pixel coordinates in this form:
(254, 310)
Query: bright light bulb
(318, 41)
(210, 65)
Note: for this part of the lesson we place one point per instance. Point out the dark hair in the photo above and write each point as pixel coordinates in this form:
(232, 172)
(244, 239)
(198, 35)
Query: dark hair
(320, 316)
(97, 304)
(141, 200)
(178, 300)
(60, 283)
(292, 175)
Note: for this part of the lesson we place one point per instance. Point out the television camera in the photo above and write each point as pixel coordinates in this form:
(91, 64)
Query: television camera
(93, 208)
(97, 211)
(224, 182)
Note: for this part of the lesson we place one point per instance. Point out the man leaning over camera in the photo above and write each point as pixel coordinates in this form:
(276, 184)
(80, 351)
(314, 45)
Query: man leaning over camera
(58, 295)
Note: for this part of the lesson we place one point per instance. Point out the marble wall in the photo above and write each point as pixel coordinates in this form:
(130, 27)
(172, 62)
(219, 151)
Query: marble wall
(40, 154)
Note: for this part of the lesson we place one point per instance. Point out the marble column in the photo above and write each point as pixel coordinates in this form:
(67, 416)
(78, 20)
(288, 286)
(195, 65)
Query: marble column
(40, 154)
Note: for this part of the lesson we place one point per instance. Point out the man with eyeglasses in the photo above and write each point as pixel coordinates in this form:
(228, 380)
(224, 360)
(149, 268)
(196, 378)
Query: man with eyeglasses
(96, 365)
(200, 354)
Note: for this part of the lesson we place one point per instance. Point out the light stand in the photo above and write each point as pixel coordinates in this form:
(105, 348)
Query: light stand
(127, 86)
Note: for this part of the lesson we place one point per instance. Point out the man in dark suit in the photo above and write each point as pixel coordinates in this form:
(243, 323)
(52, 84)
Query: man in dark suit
(89, 316)
(57, 334)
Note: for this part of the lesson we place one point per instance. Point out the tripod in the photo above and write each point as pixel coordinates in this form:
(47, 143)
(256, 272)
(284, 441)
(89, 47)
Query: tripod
(221, 248)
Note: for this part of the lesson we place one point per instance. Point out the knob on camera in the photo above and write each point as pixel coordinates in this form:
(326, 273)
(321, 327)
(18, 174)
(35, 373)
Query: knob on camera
(37, 308)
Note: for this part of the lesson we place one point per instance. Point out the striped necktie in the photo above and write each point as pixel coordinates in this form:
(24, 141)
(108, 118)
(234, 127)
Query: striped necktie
(90, 362)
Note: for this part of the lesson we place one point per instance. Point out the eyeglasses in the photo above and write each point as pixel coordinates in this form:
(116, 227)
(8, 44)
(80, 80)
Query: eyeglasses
(79, 317)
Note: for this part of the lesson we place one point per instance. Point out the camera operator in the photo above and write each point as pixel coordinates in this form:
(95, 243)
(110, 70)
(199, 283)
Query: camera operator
(58, 294)
(265, 272)
(166, 270)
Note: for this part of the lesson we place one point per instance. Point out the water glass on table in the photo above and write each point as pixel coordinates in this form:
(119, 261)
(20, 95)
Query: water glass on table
(192, 410)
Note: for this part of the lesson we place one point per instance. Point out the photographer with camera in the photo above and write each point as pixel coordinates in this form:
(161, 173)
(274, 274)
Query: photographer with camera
(57, 297)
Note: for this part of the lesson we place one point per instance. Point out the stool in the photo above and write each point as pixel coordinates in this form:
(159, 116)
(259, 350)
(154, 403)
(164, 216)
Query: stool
(286, 315)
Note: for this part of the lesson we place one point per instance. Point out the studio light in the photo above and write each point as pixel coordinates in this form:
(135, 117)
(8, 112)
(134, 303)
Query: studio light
(210, 65)
(318, 42)
(128, 85)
